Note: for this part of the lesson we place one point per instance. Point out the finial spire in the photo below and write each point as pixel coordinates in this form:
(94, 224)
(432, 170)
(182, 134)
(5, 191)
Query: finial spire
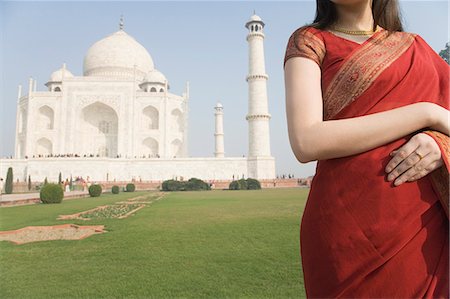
(254, 12)
(121, 23)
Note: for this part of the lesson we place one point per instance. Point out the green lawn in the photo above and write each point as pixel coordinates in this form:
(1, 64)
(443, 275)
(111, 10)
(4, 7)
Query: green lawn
(210, 244)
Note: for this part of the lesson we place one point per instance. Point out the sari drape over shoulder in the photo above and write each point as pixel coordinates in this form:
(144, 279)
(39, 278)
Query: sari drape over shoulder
(360, 235)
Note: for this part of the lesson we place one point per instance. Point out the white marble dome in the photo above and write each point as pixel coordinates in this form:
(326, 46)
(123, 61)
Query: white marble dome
(255, 18)
(155, 76)
(57, 76)
(116, 56)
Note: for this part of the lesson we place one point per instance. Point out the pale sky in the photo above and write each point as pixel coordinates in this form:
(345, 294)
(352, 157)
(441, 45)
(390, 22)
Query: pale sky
(201, 42)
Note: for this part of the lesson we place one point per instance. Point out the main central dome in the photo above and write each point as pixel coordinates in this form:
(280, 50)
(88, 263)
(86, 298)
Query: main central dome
(117, 55)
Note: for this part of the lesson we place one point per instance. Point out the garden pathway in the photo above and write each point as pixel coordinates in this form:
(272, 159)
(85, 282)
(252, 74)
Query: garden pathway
(31, 198)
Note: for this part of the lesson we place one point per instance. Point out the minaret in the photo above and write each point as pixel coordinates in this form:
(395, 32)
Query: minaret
(258, 114)
(219, 153)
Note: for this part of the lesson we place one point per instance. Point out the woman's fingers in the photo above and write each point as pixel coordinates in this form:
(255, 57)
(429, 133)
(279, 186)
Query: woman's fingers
(420, 169)
(425, 158)
(416, 156)
(420, 174)
(400, 155)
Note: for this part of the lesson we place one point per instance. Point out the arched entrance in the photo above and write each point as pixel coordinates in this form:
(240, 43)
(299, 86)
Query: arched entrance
(99, 130)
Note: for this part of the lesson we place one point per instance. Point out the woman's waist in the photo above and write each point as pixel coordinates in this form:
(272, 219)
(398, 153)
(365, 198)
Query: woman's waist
(357, 186)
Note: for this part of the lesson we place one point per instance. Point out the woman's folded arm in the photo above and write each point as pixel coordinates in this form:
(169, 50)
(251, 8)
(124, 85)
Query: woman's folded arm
(312, 138)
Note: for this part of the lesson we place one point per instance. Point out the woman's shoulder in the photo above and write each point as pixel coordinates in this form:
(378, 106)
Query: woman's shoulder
(405, 34)
(307, 31)
(306, 41)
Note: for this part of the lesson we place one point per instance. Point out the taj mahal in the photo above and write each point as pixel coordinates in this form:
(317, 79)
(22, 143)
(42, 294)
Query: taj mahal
(119, 120)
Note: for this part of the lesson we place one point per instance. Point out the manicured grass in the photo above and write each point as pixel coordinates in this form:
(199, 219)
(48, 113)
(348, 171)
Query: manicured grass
(208, 244)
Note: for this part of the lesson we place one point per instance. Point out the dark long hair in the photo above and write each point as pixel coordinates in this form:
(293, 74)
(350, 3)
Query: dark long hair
(385, 13)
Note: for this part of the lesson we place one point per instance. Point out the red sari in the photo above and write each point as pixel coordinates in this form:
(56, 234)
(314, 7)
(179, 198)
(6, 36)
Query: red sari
(360, 235)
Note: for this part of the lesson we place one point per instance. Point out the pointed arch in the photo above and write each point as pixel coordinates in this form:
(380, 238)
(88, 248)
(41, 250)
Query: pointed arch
(150, 147)
(46, 118)
(177, 121)
(151, 118)
(44, 146)
(176, 148)
(98, 131)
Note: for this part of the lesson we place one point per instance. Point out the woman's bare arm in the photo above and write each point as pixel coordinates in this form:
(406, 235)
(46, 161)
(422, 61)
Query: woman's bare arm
(312, 138)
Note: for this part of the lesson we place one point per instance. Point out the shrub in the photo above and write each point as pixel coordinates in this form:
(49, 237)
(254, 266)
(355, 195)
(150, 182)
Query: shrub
(245, 184)
(95, 190)
(233, 185)
(130, 187)
(242, 184)
(9, 181)
(29, 182)
(172, 185)
(115, 189)
(196, 184)
(193, 184)
(253, 184)
(51, 193)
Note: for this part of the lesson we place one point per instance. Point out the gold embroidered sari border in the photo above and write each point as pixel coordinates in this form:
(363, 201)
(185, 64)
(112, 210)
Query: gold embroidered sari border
(364, 66)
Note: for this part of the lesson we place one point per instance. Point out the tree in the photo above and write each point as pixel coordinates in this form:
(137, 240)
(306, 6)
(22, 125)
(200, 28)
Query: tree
(9, 181)
(445, 54)
(71, 183)
(29, 182)
(45, 181)
(60, 178)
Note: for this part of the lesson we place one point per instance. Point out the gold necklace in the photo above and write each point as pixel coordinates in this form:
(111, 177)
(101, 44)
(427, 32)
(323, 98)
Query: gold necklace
(355, 32)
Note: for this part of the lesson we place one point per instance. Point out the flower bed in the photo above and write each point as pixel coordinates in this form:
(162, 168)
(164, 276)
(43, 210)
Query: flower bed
(113, 211)
(119, 210)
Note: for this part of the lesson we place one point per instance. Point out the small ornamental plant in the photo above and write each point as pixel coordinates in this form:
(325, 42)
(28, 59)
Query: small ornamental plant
(130, 187)
(115, 189)
(9, 181)
(95, 190)
(51, 193)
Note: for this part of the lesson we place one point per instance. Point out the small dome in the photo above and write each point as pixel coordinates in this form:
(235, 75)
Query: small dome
(255, 18)
(219, 104)
(57, 76)
(155, 76)
(116, 56)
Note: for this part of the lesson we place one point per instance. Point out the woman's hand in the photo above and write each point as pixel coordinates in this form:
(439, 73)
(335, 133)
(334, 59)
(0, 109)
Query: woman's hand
(414, 160)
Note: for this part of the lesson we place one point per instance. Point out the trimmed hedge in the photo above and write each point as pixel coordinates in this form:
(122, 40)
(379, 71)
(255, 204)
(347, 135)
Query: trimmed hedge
(253, 184)
(172, 185)
(95, 190)
(193, 184)
(115, 189)
(234, 185)
(245, 184)
(51, 193)
(130, 187)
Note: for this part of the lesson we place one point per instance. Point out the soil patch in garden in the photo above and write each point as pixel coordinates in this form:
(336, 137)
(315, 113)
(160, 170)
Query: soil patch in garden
(47, 233)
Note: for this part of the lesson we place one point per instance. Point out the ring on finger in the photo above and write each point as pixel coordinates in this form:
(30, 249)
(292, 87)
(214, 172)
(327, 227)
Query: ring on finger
(420, 156)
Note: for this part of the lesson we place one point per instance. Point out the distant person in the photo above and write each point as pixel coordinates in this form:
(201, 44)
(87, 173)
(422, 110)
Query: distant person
(370, 103)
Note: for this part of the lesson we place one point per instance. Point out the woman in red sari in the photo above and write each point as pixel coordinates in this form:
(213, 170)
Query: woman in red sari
(371, 108)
